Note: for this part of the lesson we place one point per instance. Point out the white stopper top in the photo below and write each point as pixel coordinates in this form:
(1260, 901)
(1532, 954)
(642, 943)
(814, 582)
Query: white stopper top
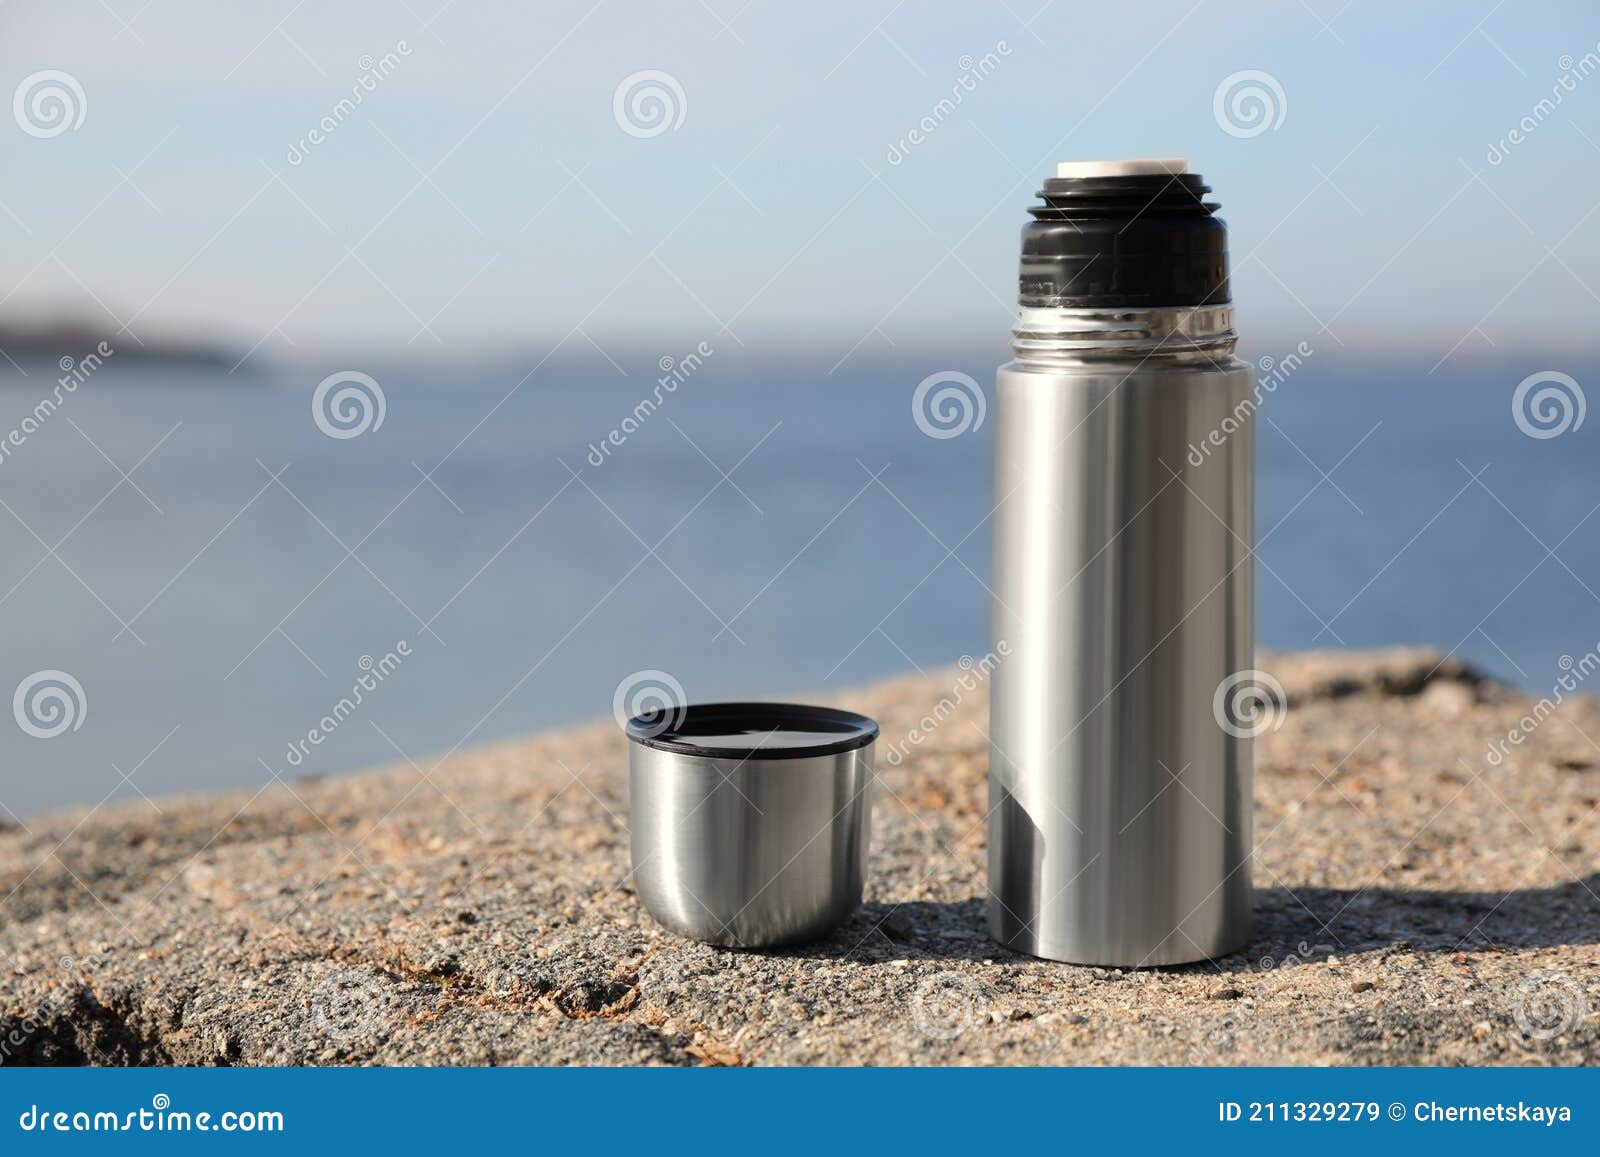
(1147, 167)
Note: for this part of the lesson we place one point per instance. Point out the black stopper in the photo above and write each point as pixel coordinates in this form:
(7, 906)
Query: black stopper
(1111, 242)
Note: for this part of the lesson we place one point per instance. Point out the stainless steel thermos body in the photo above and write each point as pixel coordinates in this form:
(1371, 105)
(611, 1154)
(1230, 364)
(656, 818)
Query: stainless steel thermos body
(1120, 792)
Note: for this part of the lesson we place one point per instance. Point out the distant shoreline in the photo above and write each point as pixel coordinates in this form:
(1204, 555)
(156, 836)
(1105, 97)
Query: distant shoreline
(22, 343)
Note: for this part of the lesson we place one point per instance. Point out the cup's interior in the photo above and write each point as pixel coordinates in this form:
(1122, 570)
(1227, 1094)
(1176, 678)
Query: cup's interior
(745, 730)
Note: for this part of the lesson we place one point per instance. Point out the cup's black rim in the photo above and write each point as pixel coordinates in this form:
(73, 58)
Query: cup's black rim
(660, 729)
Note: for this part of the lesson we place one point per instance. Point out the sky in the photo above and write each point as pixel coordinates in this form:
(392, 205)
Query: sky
(806, 189)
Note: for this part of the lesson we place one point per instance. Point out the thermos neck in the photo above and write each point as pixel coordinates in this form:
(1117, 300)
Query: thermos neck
(1199, 335)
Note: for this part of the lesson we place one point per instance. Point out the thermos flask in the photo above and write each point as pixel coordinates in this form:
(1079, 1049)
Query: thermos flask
(1119, 821)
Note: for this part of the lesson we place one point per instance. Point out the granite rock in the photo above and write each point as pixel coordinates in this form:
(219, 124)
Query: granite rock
(1418, 902)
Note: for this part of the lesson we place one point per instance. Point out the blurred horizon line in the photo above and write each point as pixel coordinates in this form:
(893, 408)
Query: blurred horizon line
(40, 335)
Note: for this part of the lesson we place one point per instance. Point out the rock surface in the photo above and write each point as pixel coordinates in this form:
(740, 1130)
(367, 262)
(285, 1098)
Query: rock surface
(1416, 904)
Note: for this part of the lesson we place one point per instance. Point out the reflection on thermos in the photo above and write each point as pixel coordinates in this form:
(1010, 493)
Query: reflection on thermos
(1119, 824)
